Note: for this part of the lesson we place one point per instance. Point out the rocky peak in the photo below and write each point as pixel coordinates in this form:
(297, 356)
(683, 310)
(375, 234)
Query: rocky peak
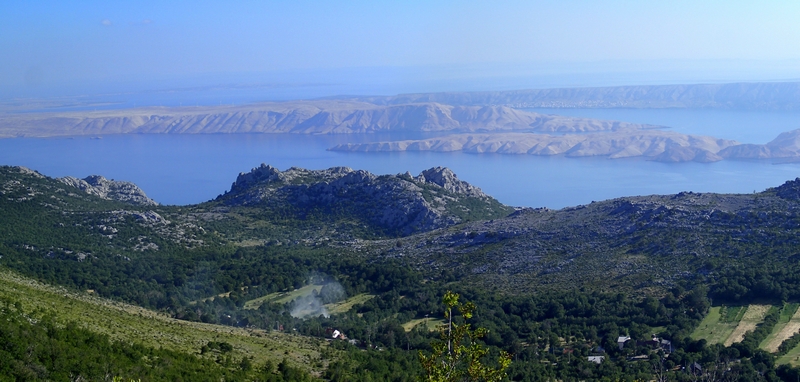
(393, 203)
(266, 174)
(27, 171)
(789, 190)
(446, 178)
(110, 189)
(261, 174)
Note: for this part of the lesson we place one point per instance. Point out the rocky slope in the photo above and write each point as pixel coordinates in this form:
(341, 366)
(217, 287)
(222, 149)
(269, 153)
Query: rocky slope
(759, 96)
(448, 226)
(110, 189)
(399, 204)
(639, 242)
(300, 117)
(656, 145)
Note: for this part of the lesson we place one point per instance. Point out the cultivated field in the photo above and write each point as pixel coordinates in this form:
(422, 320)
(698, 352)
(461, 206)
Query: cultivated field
(751, 318)
(430, 323)
(286, 297)
(718, 325)
(282, 297)
(346, 305)
(792, 357)
(787, 326)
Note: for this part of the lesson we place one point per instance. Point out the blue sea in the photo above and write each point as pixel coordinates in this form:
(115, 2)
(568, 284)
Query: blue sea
(185, 169)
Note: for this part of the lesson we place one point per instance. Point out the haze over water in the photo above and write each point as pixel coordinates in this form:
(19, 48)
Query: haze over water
(93, 55)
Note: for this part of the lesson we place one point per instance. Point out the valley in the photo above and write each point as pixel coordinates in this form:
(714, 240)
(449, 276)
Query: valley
(284, 258)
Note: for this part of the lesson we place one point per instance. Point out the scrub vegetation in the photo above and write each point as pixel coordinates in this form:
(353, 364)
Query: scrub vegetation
(176, 283)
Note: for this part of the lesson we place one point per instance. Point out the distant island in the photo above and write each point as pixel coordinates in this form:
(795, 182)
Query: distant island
(746, 95)
(300, 117)
(474, 122)
(662, 146)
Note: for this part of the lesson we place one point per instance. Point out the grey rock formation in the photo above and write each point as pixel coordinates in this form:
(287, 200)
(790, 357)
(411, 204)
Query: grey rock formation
(27, 171)
(446, 178)
(110, 189)
(392, 203)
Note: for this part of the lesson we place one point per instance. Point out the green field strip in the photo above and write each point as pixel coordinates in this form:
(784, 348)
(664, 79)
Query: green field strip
(788, 324)
(130, 323)
(286, 297)
(752, 317)
(712, 329)
(430, 323)
(792, 357)
(346, 305)
(282, 297)
(732, 313)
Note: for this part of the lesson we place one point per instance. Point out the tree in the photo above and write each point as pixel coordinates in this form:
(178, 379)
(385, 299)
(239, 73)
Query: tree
(459, 356)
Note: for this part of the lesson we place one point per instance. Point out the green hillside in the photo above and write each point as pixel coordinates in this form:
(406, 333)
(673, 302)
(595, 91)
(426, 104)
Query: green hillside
(126, 323)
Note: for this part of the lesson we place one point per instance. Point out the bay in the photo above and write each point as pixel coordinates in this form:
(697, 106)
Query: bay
(185, 169)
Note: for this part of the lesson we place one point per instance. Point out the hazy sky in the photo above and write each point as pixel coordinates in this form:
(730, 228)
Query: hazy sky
(83, 45)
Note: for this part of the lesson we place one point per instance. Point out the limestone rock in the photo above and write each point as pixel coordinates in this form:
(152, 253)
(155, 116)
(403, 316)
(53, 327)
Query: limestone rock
(27, 171)
(445, 178)
(110, 189)
(394, 203)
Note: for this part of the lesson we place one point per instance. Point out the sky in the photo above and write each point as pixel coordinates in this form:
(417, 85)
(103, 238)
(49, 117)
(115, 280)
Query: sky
(56, 48)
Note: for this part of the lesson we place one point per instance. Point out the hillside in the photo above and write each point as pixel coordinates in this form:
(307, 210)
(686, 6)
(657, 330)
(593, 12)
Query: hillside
(632, 243)
(639, 242)
(129, 323)
(552, 285)
(401, 204)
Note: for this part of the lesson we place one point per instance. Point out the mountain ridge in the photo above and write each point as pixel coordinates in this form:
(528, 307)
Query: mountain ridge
(744, 95)
(664, 146)
(300, 117)
(400, 203)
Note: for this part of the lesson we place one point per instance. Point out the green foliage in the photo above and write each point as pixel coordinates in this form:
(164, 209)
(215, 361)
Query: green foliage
(43, 350)
(732, 313)
(789, 344)
(251, 252)
(460, 355)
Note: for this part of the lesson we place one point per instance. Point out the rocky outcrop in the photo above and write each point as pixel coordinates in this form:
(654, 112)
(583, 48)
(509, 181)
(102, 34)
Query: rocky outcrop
(301, 117)
(446, 179)
(110, 189)
(656, 145)
(789, 190)
(398, 204)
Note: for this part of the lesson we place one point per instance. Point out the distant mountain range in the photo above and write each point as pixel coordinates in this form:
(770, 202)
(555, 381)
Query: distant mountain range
(663, 146)
(478, 122)
(749, 96)
(302, 117)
